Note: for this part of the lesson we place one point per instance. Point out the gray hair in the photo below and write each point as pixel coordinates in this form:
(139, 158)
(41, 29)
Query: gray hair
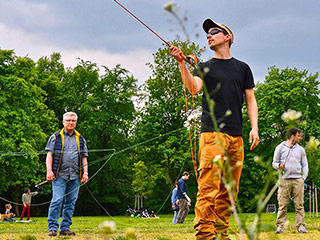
(70, 113)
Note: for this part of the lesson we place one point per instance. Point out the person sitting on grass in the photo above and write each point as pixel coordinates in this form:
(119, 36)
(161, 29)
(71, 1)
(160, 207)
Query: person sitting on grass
(145, 214)
(8, 215)
(153, 215)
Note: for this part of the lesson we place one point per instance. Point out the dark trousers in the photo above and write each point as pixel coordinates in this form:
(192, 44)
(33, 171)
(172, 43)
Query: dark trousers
(183, 210)
(24, 210)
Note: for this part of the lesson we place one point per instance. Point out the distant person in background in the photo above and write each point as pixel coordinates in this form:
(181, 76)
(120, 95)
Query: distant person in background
(153, 214)
(145, 214)
(291, 159)
(184, 200)
(8, 209)
(26, 200)
(174, 202)
(8, 215)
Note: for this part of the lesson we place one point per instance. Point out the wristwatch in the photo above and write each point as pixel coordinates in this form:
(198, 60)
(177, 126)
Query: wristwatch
(85, 173)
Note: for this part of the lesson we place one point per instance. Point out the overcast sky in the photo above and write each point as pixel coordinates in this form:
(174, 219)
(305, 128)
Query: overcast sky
(270, 32)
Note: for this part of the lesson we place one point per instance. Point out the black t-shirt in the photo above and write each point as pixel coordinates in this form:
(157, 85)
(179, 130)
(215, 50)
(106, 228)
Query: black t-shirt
(225, 81)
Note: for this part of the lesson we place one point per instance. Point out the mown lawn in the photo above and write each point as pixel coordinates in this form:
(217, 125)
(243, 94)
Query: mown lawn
(87, 228)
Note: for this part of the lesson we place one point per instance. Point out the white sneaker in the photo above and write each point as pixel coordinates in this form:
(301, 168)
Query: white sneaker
(302, 229)
(279, 230)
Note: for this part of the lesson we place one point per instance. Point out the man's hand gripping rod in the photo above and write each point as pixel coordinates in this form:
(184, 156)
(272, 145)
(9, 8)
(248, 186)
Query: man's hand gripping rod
(188, 58)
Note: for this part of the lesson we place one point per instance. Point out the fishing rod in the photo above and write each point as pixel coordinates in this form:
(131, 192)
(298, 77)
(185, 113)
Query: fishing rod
(39, 184)
(188, 59)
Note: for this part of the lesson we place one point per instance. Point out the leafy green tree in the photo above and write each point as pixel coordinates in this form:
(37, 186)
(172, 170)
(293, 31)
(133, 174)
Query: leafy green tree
(282, 90)
(52, 74)
(164, 112)
(24, 123)
(313, 156)
(109, 121)
(140, 176)
(105, 107)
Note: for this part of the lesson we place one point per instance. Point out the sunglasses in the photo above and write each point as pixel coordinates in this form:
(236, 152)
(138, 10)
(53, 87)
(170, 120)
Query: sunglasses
(216, 31)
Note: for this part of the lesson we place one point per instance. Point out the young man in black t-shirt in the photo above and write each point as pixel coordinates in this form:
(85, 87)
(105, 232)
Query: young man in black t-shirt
(227, 82)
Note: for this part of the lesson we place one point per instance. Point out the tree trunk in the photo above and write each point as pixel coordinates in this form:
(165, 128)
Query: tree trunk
(138, 202)
(16, 199)
(310, 202)
(313, 199)
(316, 196)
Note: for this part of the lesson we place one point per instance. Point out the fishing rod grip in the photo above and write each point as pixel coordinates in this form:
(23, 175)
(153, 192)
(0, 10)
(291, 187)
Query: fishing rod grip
(39, 184)
(186, 59)
(192, 59)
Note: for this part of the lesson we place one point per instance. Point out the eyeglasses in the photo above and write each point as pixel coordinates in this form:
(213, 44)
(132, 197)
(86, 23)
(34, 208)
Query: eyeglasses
(216, 31)
(70, 120)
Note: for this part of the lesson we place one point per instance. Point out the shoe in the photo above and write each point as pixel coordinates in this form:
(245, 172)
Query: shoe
(279, 230)
(66, 233)
(52, 233)
(302, 229)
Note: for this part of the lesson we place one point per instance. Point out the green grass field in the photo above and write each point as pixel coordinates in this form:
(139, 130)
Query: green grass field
(159, 229)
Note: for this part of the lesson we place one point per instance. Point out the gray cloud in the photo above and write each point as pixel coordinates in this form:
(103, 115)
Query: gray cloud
(282, 33)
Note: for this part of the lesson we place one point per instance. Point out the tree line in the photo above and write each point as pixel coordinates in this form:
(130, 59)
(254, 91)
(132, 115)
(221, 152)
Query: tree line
(137, 134)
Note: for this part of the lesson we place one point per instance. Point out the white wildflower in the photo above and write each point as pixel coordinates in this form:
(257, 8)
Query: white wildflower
(222, 125)
(131, 234)
(107, 227)
(228, 113)
(216, 158)
(169, 6)
(313, 143)
(257, 158)
(206, 70)
(238, 164)
(291, 115)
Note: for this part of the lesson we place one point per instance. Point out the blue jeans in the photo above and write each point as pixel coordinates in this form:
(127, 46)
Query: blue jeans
(175, 214)
(68, 191)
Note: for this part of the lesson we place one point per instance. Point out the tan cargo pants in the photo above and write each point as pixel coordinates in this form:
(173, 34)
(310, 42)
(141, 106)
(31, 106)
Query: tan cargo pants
(213, 202)
(291, 188)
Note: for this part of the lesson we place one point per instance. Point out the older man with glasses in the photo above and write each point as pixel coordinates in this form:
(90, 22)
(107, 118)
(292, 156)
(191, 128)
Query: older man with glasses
(67, 166)
(227, 82)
